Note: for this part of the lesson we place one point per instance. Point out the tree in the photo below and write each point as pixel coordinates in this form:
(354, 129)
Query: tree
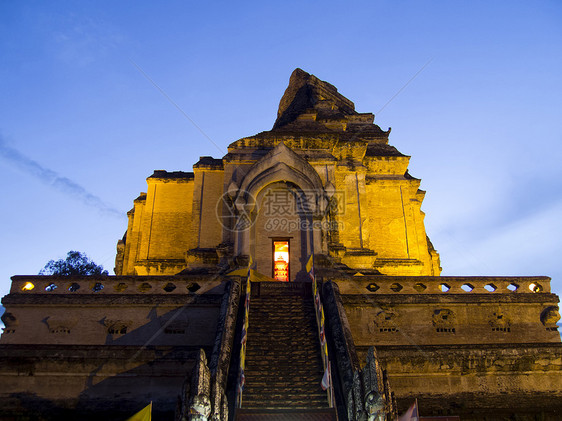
(76, 263)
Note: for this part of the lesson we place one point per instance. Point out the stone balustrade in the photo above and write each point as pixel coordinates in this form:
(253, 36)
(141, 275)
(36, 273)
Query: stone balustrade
(444, 285)
(114, 285)
(354, 285)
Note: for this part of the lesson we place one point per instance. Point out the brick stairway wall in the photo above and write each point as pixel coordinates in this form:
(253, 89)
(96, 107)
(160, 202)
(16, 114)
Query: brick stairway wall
(283, 362)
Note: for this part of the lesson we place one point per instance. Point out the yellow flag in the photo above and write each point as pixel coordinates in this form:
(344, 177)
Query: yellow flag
(309, 264)
(243, 356)
(144, 414)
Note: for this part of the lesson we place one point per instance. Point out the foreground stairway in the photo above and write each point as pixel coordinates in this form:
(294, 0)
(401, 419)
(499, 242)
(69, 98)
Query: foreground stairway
(283, 363)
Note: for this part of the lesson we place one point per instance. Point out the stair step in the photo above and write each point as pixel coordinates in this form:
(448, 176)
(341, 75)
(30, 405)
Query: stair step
(286, 415)
(283, 401)
(283, 363)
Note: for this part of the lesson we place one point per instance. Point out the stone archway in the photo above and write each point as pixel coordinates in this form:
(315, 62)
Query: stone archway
(299, 202)
(282, 215)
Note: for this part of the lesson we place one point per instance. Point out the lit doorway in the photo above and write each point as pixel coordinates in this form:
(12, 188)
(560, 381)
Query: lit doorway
(281, 260)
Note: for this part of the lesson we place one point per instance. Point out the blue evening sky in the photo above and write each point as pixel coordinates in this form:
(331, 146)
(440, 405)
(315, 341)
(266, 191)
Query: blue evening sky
(81, 127)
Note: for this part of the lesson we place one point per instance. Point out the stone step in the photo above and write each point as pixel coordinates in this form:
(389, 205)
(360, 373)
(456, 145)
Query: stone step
(274, 391)
(313, 389)
(283, 364)
(325, 414)
(310, 391)
(284, 401)
(287, 378)
(265, 376)
(303, 402)
(294, 308)
(276, 365)
(271, 367)
(290, 351)
(297, 381)
(296, 338)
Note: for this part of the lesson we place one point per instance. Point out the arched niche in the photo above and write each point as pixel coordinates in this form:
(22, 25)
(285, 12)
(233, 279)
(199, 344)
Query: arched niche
(285, 174)
(282, 215)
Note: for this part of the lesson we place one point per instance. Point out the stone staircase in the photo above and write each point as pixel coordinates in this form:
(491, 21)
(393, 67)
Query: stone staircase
(283, 362)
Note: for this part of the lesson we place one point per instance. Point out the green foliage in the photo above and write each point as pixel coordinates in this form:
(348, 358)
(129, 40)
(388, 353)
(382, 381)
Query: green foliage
(76, 263)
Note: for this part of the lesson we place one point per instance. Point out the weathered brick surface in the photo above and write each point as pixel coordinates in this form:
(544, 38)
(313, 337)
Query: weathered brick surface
(283, 363)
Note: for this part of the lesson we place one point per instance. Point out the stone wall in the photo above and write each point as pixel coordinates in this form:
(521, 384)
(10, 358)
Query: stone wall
(478, 347)
(78, 382)
(75, 347)
(477, 382)
(209, 180)
(374, 221)
(449, 310)
(161, 226)
(112, 311)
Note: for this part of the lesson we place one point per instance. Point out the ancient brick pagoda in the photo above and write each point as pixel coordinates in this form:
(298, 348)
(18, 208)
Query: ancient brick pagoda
(174, 325)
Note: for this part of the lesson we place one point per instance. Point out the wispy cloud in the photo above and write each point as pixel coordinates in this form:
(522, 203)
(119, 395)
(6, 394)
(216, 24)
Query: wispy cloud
(81, 41)
(53, 179)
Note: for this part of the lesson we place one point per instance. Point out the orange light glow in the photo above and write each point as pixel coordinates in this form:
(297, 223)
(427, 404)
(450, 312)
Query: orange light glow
(535, 287)
(281, 260)
(28, 286)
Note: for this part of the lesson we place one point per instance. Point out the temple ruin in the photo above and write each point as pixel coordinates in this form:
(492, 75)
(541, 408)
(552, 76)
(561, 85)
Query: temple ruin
(293, 277)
